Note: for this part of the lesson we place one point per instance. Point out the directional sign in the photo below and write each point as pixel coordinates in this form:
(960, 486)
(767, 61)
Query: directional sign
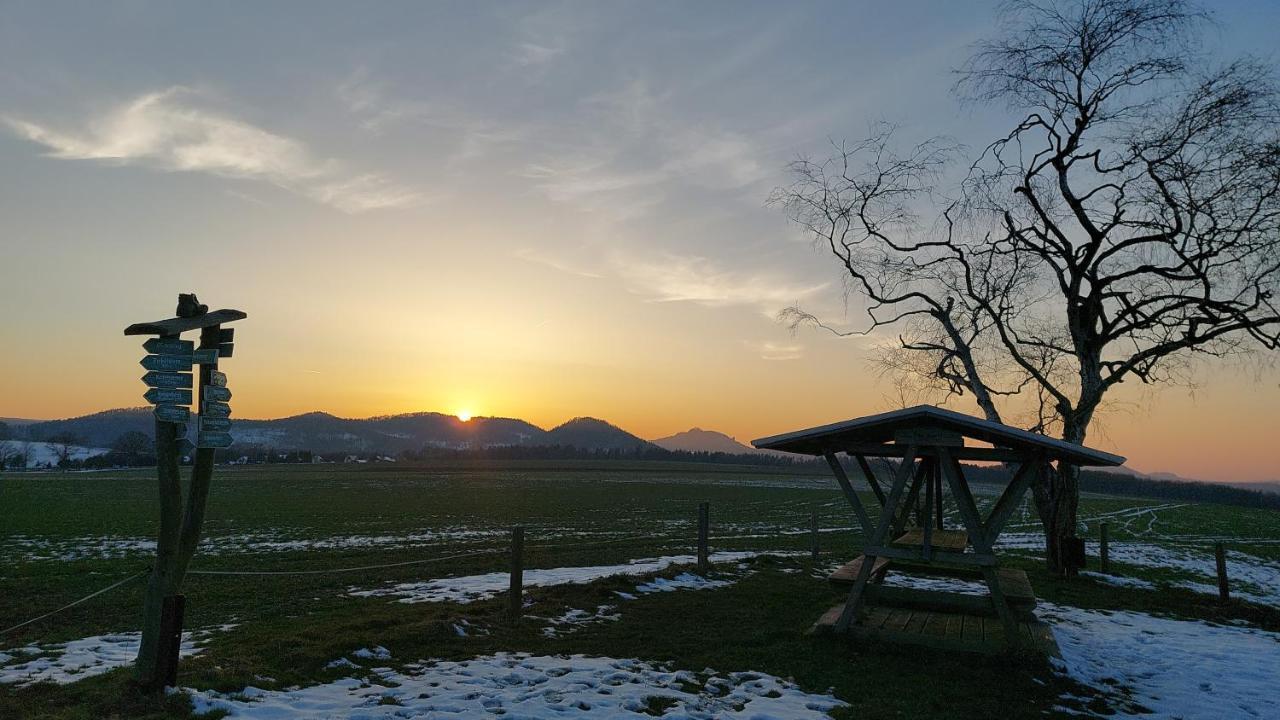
(217, 379)
(219, 394)
(215, 410)
(166, 362)
(168, 346)
(167, 379)
(213, 440)
(155, 396)
(209, 424)
(172, 413)
(205, 356)
(224, 350)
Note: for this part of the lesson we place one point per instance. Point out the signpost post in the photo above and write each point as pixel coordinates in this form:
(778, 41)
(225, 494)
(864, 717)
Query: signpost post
(174, 365)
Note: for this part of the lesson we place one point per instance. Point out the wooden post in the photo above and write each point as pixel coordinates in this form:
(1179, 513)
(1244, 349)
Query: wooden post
(516, 591)
(1220, 555)
(704, 527)
(813, 523)
(172, 610)
(1104, 550)
(937, 497)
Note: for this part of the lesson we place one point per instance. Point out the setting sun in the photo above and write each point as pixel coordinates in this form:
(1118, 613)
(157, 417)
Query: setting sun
(464, 415)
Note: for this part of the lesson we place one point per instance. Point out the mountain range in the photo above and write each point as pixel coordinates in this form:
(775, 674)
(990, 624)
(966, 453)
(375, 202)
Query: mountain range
(325, 433)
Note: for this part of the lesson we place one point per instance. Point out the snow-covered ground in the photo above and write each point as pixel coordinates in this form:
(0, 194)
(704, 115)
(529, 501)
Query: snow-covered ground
(79, 659)
(1252, 578)
(533, 687)
(470, 588)
(1176, 668)
(41, 454)
(107, 547)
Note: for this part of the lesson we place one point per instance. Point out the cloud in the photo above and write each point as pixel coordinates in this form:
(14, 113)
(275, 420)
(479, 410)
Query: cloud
(166, 130)
(678, 278)
(774, 351)
(529, 54)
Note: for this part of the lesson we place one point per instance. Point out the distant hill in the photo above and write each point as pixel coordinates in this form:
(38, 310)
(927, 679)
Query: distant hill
(699, 440)
(326, 433)
(585, 432)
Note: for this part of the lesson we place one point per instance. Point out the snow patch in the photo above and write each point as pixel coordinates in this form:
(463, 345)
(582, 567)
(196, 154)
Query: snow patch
(532, 687)
(68, 662)
(1175, 668)
(470, 588)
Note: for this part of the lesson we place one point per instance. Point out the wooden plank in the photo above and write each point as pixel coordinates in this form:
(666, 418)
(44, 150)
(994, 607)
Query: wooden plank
(214, 393)
(1012, 496)
(926, 600)
(172, 413)
(936, 625)
(847, 573)
(174, 326)
(167, 379)
(172, 396)
(870, 476)
(205, 356)
(168, 346)
(950, 540)
(846, 487)
(940, 558)
(209, 424)
(166, 363)
(915, 625)
(215, 410)
(966, 453)
(898, 619)
(964, 501)
(854, 603)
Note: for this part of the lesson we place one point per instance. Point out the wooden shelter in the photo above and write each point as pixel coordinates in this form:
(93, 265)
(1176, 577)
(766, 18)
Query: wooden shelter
(928, 444)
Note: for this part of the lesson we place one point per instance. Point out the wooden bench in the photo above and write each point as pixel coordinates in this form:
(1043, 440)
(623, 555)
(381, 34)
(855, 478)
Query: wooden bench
(951, 540)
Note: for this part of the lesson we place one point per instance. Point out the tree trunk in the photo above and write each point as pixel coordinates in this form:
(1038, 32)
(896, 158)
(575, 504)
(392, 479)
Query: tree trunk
(162, 580)
(1057, 498)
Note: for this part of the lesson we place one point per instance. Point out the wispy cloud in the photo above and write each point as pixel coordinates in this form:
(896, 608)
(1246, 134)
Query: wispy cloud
(776, 351)
(168, 130)
(529, 54)
(668, 277)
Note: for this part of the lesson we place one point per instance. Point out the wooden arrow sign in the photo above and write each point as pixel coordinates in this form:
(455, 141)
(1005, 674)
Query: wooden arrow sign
(210, 424)
(219, 394)
(172, 413)
(215, 410)
(205, 356)
(168, 346)
(156, 396)
(213, 440)
(217, 379)
(167, 380)
(168, 363)
(225, 349)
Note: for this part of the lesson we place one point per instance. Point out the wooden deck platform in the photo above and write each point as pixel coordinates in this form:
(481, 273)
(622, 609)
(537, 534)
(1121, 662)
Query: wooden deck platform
(951, 540)
(1014, 582)
(942, 630)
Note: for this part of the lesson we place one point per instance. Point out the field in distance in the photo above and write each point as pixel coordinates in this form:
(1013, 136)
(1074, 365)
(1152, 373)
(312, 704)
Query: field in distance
(608, 555)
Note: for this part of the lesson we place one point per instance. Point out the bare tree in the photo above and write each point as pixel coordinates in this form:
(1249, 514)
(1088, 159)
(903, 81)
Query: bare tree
(1128, 224)
(63, 445)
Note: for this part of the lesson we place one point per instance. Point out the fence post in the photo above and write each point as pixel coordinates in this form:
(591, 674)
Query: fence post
(813, 523)
(516, 592)
(1104, 551)
(704, 526)
(172, 609)
(1220, 555)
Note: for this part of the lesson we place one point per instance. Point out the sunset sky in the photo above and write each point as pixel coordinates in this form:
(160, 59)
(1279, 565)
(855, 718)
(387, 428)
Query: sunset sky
(527, 210)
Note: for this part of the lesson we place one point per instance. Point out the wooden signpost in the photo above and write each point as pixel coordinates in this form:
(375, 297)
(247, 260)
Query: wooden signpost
(174, 366)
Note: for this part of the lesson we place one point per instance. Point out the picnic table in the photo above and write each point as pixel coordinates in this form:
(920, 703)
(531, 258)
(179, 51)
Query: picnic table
(908, 535)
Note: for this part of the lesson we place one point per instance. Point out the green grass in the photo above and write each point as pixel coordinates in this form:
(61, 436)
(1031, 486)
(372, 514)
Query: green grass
(290, 627)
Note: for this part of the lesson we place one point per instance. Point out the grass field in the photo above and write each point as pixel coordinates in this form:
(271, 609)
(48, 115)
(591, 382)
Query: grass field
(65, 535)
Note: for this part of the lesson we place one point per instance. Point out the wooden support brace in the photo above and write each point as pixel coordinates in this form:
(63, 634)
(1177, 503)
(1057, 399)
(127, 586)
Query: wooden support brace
(850, 494)
(854, 604)
(1012, 497)
(964, 500)
(865, 467)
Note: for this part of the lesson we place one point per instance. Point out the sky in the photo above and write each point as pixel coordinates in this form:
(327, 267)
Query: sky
(534, 210)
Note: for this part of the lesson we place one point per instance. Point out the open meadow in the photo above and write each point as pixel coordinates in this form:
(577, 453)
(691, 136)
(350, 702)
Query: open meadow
(615, 616)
